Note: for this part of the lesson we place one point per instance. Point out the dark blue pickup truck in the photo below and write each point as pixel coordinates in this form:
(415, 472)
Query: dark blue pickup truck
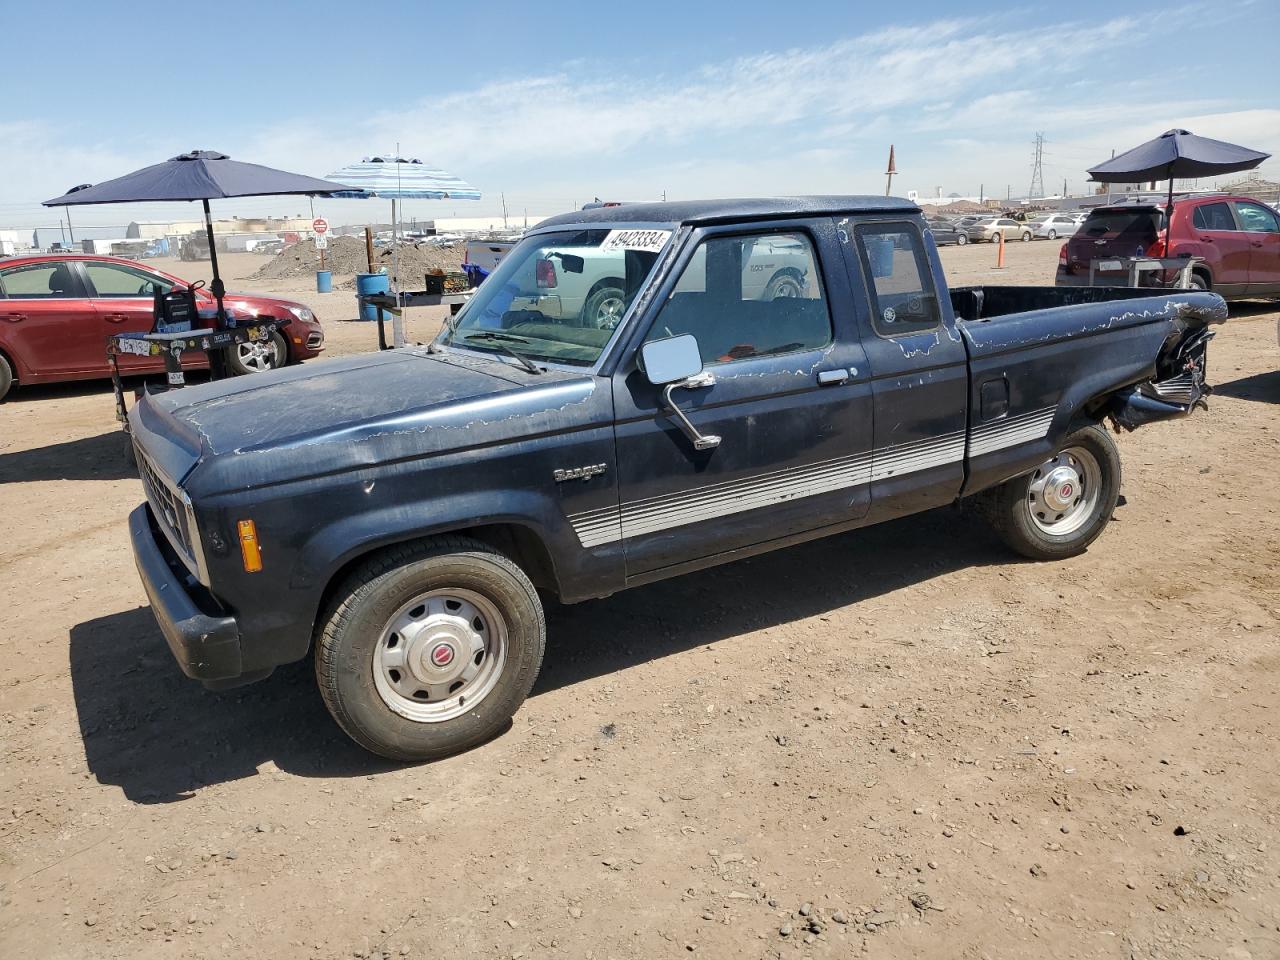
(776, 370)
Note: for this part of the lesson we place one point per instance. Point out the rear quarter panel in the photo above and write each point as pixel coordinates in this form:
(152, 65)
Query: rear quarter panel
(1055, 366)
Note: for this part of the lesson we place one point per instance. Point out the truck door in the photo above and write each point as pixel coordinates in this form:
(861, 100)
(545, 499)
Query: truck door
(790, 401)
(919, 369)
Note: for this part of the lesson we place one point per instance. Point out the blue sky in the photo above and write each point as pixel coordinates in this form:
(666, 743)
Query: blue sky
(557, 102)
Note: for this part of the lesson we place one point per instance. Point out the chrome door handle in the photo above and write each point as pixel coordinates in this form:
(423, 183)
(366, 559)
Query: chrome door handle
(116, 318)
(829, 378)
(15, 317)
(1255, 243)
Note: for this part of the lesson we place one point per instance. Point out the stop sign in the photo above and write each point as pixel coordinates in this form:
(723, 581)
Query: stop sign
(320, 226)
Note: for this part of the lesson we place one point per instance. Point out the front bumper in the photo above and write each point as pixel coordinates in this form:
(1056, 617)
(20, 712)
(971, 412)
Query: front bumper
(207, 647)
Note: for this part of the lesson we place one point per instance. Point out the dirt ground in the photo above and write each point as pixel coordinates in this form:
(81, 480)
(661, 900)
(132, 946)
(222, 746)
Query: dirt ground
(900, 742)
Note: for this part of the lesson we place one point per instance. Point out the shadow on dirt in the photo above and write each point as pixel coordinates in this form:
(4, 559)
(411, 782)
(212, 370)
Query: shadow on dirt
(160, 736)
(1262, 387)
(106, 456)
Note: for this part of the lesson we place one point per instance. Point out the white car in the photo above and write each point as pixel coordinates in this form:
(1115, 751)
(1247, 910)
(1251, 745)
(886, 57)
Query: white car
(1051, 226)
(577, 283)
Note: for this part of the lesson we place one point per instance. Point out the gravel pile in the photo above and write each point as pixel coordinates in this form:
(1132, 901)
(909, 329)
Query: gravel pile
(346, 257)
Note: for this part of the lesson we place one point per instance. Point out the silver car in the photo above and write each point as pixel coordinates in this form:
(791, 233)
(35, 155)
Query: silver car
(1051, 226)
(994, 227)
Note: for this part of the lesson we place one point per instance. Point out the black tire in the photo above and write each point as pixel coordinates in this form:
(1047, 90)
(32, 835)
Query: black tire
(365, 605)
(1009, 507)
(1026, 236)
(785, 284)
(6, 376)
(277, 357)
(1053, 234)
(604, 308)
(1197, 281)
(961, 240)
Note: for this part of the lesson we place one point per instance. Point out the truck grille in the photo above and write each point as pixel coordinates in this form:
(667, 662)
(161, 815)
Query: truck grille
(172, 509)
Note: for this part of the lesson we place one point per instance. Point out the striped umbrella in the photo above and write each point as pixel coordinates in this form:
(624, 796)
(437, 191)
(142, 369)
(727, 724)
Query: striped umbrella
(399, 178)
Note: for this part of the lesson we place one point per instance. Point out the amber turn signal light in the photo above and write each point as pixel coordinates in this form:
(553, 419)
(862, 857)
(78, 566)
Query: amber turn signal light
(249, 548)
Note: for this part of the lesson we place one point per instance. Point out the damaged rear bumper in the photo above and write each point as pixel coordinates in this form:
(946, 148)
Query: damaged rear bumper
(1176, 394)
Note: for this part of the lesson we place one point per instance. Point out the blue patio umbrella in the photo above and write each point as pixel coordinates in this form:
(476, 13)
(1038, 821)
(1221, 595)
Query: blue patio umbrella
(202, 175)
(1176, 153)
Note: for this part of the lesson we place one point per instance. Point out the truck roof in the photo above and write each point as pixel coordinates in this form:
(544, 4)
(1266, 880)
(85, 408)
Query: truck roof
(714, 211)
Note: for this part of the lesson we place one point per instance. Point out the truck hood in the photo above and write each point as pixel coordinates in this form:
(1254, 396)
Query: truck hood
(394, 406)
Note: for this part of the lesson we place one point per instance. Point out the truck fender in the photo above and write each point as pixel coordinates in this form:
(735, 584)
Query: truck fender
(336, 546)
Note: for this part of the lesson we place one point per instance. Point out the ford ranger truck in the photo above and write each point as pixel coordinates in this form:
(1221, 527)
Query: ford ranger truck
(401, 514)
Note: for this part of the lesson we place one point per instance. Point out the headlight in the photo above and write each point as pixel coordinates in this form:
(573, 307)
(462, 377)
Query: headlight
(303, 313)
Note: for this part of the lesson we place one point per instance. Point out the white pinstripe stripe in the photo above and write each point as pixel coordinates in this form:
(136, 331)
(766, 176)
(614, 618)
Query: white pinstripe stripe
(651, 514)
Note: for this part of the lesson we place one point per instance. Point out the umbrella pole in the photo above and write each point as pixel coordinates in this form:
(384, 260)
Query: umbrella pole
(397, 318)
(217, 368)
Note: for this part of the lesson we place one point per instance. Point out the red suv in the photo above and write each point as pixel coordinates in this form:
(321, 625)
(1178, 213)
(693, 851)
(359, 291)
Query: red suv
(57, 311)
(1238, 238)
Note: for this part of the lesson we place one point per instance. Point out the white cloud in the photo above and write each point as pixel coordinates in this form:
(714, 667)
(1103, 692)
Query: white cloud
(961, 99)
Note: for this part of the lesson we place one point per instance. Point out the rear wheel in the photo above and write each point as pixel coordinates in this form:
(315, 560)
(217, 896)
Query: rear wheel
(1053, 234)
(783, 285)
(1198, 281)
(1026, 236)
(430, 649)
(961, 240)
(604, 308)
(1062, 506)
(6, 376)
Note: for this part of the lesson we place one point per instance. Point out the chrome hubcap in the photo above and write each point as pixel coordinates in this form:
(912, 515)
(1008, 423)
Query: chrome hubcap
(440, 655)
(1064, 491)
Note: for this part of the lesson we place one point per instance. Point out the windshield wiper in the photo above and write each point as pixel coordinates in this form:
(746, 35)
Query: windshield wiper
(500, 341)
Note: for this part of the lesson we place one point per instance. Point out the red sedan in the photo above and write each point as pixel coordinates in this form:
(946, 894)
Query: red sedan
(57, 311)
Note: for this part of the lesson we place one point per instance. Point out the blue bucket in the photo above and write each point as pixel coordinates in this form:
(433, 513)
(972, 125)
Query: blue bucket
(324, 281)
(367, 283)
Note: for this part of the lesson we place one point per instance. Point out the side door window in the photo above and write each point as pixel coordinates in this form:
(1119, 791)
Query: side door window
(41, 281)
(113, 280)
(903, 299)
(1214, 216)
(748, 296)
(1256, 218)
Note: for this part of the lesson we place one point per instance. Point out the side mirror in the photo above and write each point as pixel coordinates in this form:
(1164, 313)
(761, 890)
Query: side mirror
(671, 359)
(676, 363)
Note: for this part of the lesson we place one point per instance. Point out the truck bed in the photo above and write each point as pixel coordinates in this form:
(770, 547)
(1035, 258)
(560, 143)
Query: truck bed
(983, 303)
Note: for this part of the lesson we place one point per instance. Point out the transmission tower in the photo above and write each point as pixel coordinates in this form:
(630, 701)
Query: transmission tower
(1037, 171)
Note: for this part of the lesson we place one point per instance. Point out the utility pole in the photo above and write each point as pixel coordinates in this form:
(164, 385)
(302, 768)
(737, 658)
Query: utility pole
(982, 194)
(888, 187)
(1037, 169)
(1113, 156)
(1064, 188)
(504, 210)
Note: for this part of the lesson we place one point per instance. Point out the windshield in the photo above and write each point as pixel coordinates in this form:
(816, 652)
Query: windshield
(559, 296)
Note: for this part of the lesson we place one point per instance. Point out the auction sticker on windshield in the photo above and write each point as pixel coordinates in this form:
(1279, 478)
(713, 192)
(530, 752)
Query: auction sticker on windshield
(650, 241)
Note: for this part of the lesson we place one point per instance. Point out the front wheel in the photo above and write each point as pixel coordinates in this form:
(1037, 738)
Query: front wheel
(961, 240)
(1062, 506)
(1053, 234)
(1026, 236)
(429, 649)
(258, 356)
